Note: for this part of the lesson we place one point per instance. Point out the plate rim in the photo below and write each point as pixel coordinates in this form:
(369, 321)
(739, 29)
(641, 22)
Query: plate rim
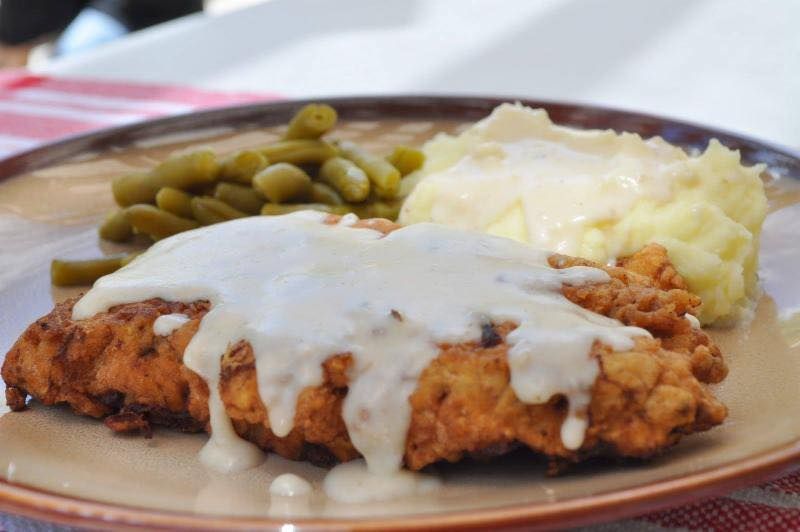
(36, 503)
(63, 509)
(351, 107)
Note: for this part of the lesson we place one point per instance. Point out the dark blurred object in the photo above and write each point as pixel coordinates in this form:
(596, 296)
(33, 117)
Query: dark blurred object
(138, 14)
(26, 20)
(85, 23)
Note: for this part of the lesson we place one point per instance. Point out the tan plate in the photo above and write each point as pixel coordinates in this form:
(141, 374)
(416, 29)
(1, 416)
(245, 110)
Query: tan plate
(71, 470)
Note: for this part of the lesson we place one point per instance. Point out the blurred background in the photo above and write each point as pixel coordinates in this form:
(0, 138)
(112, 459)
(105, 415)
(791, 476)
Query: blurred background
(32, 32)
(734, 64)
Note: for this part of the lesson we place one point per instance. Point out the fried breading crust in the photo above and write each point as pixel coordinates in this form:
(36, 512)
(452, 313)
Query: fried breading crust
(113, 366)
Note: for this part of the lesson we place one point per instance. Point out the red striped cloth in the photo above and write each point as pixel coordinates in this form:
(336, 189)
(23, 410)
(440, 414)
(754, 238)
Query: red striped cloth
(771, 506)
(36, 109)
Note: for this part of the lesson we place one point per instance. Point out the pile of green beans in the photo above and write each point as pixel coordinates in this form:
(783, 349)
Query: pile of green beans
(196, 188)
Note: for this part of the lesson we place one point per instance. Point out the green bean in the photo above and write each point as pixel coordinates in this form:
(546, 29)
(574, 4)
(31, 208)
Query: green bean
(322, 193)
(175, 201)
(282, 182)
(311, 122)
(157, 223)
(179, 171)
(406, 159)
(242, 166)
(187, 170)
(116, 227)
(299, 151)
(239, 197)
(209, 211)
(82, 272)
(130, 189)
(347, 178)
(378, 209)
(275, 208)
(384, 176)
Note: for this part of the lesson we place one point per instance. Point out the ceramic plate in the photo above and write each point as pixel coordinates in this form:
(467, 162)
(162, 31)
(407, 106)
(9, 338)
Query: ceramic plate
(59, 467)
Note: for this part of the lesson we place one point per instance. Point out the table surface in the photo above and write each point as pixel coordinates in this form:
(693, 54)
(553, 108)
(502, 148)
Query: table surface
(733, 64)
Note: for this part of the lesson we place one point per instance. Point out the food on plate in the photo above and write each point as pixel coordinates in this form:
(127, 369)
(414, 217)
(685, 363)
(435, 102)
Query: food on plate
(299, 172)
(600, 195)
(213, 211)
(322, 193)
(245, 199)
(384, 178)
(311, 122)
(240, 167)
(157, 223)
(406, 159)
(82, 272)
(299, 151)
(350, 181)
(296, 317)
(187, 170)
(327, 338)
(209, 211)
(282, 182)
(116, 227)
(169, 199)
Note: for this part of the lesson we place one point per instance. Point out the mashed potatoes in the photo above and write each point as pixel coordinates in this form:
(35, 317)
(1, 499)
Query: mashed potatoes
(600, 195)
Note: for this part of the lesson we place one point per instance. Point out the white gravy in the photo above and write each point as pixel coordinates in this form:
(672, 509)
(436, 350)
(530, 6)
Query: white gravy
(353, 482)
(289, 485)
(566, 180)
(166, 324)
(693, 321)
(300, 291)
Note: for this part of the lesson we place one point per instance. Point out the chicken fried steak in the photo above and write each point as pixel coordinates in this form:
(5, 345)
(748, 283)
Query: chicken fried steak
(113, 366)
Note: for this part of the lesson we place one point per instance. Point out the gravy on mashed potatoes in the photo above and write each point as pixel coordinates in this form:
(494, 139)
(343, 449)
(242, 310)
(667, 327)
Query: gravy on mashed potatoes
(601, 195)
